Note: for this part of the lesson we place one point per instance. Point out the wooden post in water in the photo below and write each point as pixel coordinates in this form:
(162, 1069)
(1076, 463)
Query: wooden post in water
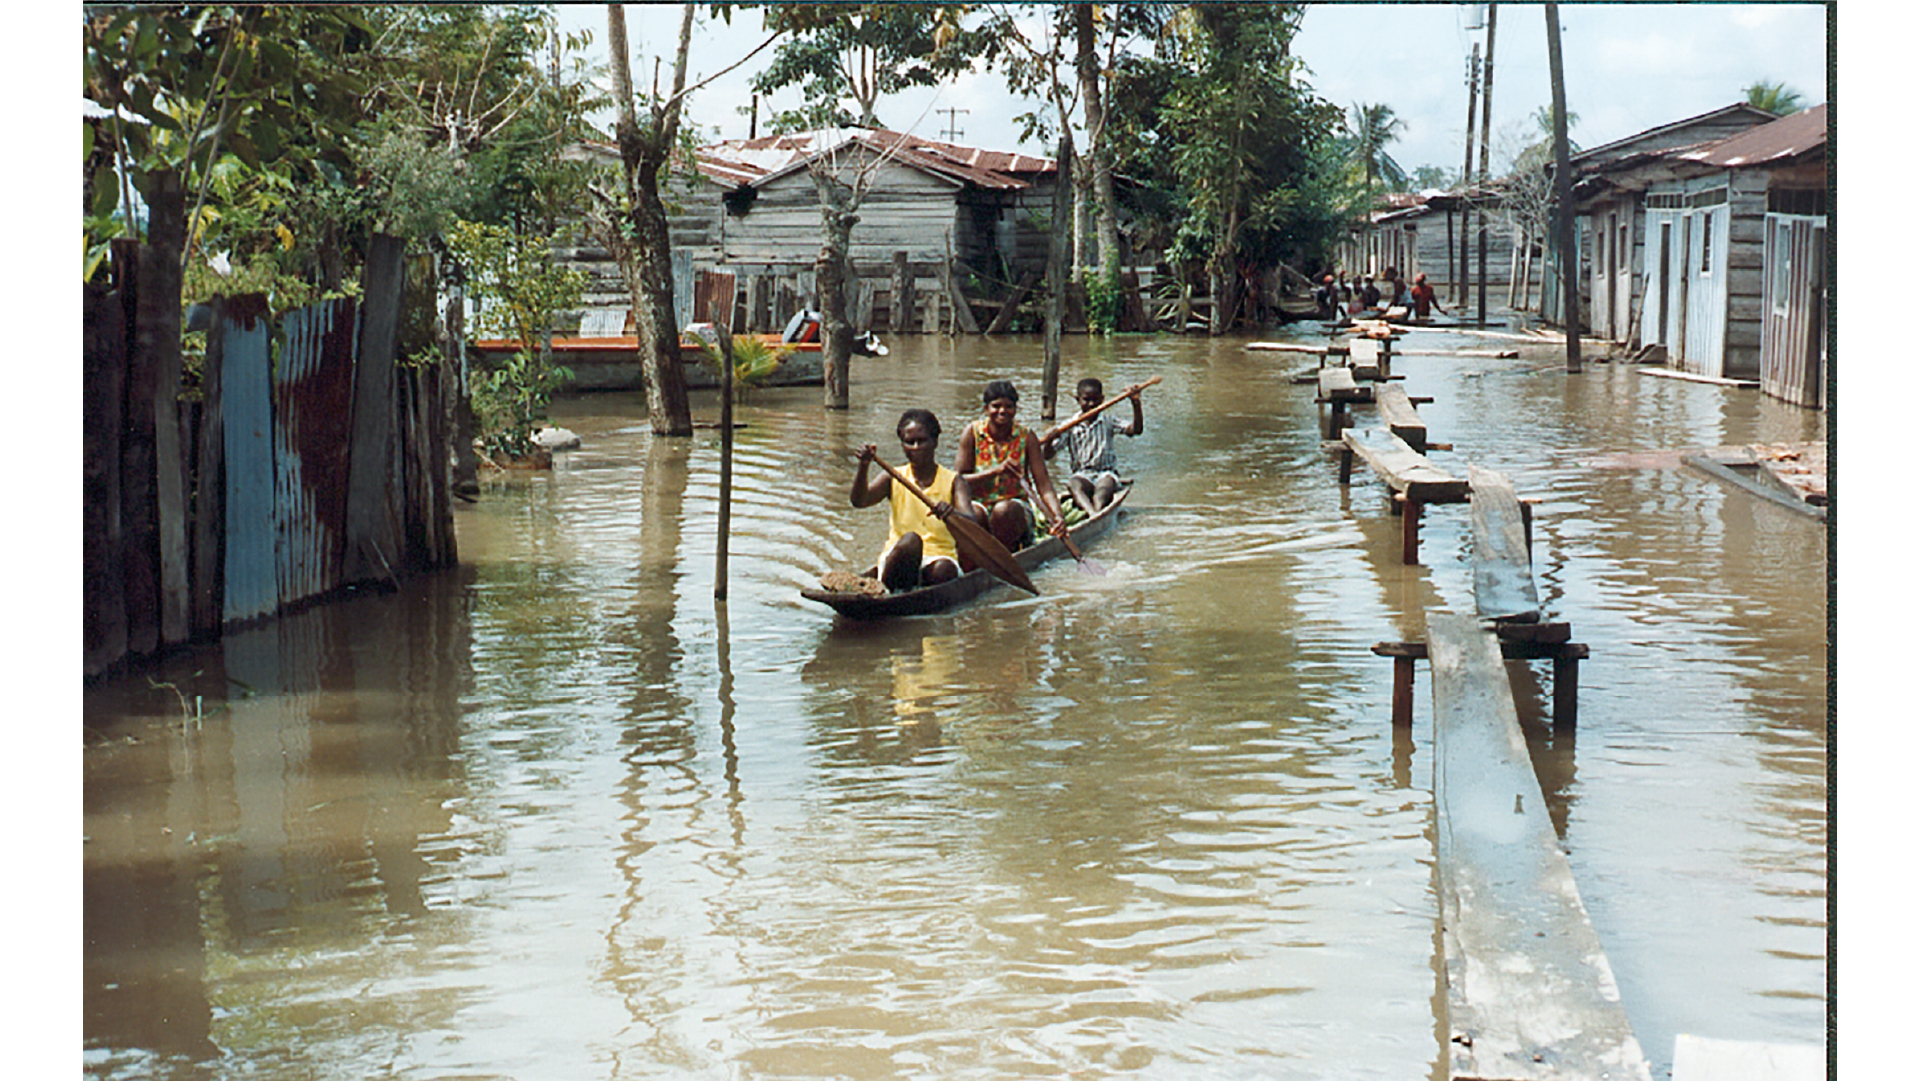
(900, 305)
(720, 309)
(1563, 232)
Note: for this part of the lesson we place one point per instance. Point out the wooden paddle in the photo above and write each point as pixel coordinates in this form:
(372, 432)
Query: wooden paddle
(1060, 429)
(973, 539)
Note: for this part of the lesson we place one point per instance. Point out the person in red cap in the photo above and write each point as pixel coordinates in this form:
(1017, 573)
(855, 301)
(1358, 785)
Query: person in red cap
(1424, 299)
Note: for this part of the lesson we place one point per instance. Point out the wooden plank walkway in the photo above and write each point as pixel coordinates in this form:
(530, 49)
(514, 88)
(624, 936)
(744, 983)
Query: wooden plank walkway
(1530, 994)
(1338, 391)
(1401, 418)
(1503, 586)
(1364, 355)
(1415, 481)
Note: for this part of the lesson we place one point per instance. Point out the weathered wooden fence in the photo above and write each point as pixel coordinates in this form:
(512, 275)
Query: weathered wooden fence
(310, 462)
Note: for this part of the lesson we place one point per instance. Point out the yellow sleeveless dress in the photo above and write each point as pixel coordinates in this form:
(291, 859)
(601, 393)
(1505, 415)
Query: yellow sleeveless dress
(909, 515)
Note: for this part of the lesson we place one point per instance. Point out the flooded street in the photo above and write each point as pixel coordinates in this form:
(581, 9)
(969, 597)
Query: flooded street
(560, 814)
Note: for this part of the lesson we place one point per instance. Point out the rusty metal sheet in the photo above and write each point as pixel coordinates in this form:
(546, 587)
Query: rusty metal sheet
(313, 409)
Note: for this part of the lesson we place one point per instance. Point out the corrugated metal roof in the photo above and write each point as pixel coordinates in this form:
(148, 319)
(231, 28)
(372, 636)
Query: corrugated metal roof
(755, 161)
(1648, 141)
(1786, 138)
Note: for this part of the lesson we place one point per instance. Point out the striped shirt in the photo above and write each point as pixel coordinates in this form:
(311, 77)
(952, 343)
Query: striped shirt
(1090, 445)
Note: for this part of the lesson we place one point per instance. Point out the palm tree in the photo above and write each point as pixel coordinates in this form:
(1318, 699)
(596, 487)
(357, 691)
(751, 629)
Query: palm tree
(1369, 130)
(1774, 98)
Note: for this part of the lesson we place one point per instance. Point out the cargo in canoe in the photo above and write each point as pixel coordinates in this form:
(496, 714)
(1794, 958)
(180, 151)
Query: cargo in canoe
(939, 598)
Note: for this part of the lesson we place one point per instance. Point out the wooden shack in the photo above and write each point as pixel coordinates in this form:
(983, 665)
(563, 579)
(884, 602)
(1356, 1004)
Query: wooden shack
(1611, 185)
(1758, 303)
(934, 218)
(1424, 233)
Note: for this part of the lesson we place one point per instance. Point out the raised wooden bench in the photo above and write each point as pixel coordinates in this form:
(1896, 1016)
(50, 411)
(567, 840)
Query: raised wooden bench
(1530, 994)
(1415, 481)
(1398, 413)
(1338, 391)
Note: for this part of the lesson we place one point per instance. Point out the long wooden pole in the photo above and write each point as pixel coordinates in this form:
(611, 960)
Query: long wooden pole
(1060, 429)
(1460, 290)
(1486, 153)
(1563, 194)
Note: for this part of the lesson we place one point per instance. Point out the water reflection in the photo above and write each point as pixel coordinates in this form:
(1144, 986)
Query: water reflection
(562, 814)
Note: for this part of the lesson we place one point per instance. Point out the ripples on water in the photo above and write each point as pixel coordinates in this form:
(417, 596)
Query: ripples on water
(559, 814)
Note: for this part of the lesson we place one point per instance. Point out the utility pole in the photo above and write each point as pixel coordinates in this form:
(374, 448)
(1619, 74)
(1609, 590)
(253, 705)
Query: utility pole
(1563, 195)
(1460, 290)
(1486, 138)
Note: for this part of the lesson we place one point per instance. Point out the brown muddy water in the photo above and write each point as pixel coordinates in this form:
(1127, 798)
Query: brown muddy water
(559, 814)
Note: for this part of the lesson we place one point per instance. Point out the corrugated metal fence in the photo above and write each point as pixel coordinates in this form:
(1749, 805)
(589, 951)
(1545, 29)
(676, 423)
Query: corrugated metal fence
(312, 462)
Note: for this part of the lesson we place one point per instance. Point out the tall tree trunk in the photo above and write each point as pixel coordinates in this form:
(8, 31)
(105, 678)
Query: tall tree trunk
(1099, 157)
(643, 156)
(1057, 275)
(834, 276)
(1563, 194)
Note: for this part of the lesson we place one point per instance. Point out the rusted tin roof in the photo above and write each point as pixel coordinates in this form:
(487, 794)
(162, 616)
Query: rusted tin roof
(756, 161)
(1784, 139)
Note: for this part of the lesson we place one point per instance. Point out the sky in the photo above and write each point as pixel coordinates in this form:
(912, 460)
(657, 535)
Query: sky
(1629, 67)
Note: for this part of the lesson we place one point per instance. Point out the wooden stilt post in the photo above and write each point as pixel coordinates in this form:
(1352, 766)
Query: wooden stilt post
(1410, 533)
(900, 305)
(1566, 686)
(1403, 692)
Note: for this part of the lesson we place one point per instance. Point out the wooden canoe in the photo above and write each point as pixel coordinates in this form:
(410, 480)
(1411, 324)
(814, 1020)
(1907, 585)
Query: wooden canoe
(939, 598)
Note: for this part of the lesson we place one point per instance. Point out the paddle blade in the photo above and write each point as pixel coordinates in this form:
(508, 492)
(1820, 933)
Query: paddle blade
(986, 550)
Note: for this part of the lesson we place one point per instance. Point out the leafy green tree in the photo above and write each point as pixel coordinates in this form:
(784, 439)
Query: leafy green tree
(517, 292)
(1774, 98)
(1370, 129)
(846, 57)
(1244, 136)
(185, 88)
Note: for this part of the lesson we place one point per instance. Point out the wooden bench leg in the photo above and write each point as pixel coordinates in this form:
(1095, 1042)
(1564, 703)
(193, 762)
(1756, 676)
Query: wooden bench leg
(1346, 466)
(1410, 533)
(1403, 692)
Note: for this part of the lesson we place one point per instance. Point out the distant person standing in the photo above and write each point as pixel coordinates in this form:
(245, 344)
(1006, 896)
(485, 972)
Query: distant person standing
(1425, 301)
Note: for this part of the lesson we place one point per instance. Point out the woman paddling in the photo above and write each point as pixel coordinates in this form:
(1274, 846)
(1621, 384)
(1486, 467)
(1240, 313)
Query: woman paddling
(920, 548)
(997, 457)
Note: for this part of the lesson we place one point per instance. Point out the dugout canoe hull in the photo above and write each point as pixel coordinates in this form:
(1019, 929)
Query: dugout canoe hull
(931, 599)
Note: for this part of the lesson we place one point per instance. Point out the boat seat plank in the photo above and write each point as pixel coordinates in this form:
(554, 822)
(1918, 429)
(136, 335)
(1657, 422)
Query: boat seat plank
(1503, 586)
(1530, 993)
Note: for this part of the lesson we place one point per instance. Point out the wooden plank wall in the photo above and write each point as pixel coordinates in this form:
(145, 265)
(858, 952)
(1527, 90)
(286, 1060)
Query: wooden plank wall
(213, 509)
(1793, 344)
